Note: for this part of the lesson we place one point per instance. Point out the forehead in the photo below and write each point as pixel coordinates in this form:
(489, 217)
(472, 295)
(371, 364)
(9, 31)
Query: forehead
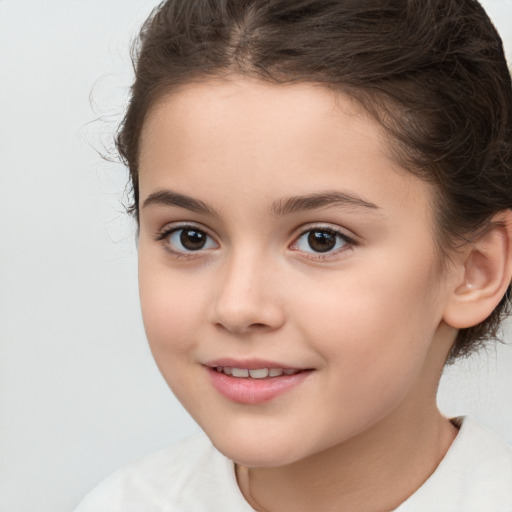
(267, 141)
(253, 111)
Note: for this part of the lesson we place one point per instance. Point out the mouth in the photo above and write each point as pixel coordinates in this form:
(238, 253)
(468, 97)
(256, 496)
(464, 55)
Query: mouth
(254, 382)
(256, 373)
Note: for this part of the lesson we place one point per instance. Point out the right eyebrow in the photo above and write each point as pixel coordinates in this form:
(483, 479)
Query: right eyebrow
(170, 198)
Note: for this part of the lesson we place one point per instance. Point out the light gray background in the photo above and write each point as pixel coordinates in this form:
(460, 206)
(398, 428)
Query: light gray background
(79, 392)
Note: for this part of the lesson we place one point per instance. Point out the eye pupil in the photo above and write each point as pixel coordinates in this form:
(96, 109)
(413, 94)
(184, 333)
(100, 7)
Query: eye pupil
(192, 239)
(322, 241)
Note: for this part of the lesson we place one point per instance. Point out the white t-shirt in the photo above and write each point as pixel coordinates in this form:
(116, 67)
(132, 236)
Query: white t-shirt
(192, 476)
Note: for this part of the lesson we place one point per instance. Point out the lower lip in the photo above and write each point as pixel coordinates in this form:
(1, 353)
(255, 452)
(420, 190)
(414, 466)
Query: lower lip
(254, 391)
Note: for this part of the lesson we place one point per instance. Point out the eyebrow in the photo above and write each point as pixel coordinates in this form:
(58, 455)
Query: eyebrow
(281, 207)
(321, 200)
(170, 198)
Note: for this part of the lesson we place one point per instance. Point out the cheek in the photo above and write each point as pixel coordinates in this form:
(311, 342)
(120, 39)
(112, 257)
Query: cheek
(374, 348)
(376, 327)
(170, 309)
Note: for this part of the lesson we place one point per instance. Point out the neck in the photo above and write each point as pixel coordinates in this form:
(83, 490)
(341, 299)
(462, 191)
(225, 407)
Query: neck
(374, 471)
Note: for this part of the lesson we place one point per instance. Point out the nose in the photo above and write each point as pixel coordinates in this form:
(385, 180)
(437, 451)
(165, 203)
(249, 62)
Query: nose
(247, 298)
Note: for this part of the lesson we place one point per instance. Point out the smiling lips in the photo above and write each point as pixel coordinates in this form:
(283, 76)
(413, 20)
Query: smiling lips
(256, 373)
(253, 384)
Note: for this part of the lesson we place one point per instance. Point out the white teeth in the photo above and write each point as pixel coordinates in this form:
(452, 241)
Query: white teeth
(240, 372)
(259, 374)
(256, 373)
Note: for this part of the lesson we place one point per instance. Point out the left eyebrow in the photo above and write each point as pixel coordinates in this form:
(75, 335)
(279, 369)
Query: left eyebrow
(321, 200)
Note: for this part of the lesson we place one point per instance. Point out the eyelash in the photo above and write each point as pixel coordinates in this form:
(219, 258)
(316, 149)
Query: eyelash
(163, 235)
(330, 254)
(348, 242)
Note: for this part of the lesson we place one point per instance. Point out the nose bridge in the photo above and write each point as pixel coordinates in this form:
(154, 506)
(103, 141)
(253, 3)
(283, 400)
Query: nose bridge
(247, 296)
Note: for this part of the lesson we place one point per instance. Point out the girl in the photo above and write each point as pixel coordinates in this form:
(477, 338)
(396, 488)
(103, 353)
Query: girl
(323, 192)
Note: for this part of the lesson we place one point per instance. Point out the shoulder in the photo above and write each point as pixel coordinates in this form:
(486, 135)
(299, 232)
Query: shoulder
(184, 477)
(474, 476)
(481, 456)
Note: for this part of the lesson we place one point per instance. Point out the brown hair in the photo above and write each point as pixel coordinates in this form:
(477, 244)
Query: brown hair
(432, 72)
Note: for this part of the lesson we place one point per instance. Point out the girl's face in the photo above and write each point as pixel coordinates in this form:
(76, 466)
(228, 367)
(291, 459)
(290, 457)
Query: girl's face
(276, 233)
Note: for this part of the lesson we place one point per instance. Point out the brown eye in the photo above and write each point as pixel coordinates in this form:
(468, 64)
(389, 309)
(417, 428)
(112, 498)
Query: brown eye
(188, 239)
(193, 239)
(322, 240)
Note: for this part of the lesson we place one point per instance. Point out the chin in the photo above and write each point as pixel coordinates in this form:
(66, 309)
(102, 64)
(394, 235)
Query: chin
(255, 457)
(258, 450)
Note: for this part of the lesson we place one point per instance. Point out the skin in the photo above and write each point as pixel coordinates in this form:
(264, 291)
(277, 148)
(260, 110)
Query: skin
(363, 431)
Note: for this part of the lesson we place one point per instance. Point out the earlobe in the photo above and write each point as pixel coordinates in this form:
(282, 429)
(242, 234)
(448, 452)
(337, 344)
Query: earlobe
(485, 277)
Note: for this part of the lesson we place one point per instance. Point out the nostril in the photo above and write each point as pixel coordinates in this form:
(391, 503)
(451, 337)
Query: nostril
(237, 328)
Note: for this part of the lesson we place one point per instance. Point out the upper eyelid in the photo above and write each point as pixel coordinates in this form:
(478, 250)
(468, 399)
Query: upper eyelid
(306, 228)
(176, 226)
(347, 239)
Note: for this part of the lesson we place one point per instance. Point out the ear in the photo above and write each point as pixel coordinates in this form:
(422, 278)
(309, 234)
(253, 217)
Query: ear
(484, 274)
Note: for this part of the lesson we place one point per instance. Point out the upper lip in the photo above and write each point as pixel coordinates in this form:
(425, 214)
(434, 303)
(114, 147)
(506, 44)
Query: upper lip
(250, 364)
